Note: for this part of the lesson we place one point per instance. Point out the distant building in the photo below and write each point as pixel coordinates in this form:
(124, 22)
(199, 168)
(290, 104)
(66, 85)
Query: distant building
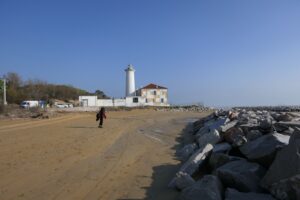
(154, 95)
(150, 95)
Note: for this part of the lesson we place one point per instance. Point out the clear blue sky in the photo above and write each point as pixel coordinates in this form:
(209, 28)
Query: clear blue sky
(222, 53)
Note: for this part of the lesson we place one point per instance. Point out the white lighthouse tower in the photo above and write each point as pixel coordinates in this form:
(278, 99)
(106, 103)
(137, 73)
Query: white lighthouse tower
(130, 81)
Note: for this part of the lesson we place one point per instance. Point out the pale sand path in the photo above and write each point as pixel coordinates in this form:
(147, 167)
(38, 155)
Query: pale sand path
(68, 157)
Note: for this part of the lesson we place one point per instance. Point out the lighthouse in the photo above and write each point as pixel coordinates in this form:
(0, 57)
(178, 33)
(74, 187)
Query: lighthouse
(130, 81)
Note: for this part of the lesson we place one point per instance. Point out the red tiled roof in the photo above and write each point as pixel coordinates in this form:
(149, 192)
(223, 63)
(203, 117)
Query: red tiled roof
(153, 86)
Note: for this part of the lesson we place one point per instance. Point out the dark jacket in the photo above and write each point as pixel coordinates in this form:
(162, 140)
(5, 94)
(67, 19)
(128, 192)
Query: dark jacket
(101, 114)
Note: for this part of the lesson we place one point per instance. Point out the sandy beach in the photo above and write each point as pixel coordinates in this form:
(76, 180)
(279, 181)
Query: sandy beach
(68, 157)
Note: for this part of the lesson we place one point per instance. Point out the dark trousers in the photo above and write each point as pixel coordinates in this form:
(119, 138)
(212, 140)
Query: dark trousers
(101, 121)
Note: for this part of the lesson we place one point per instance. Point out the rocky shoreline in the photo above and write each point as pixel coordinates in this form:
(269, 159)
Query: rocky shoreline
(241, 154)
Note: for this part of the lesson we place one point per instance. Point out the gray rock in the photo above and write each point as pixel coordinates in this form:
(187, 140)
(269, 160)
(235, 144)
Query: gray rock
(263, 149)
(202, 131)
(197, 125)
(233, 115)
(287, 189)
(187, 151)
(241, 175)
(196, 160)
(232, 194)
(292, 124)
(207, 188)
(221, 121)
(284, 117)
(253, 121)
(228, 126)
(211, 137)
(249, 126)
(276, 115)
(222, 148)
(253, 135)
(265, 125)
(181, 181)
(283, 176)
(211, 125)
(289, 131)
(279, 127)
(216, 160)
(235, 136)
(252, 114)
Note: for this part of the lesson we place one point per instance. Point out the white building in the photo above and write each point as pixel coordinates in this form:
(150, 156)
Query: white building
(150, 95)
(154, 95)
(130, 81)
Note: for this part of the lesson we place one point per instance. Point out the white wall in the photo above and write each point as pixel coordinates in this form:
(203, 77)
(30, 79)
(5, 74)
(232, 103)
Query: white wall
(130, 103)
(111, 102)
(92, 101)
(119, 102)
(88, 101)
(104, 103)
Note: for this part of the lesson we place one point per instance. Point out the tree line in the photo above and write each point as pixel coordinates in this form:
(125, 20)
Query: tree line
(18, 90)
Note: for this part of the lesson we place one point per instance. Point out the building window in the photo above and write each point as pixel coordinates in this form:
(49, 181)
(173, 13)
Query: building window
(154, 92)
(162, 100)
(146, 100)
(135, 100)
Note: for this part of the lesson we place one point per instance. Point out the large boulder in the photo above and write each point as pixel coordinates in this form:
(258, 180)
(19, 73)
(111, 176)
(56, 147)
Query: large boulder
(208, 188)
(228, 126)
(276, 115)
(181, 181)
(263, 149)
(292, 124)
(241, 175)
(197, 125)
(221, 121)
(253, 135)
(265, 125)
(211, 126)
(280, 127)
(287, 189)
(212, 137)
(222, 148)
(289, 131)
(188, 150)
(283, 176)
(235, 136)
(196, 160)
(233, 115)
(232, 194)
(216, 160)
(284, 117)
(249, 127)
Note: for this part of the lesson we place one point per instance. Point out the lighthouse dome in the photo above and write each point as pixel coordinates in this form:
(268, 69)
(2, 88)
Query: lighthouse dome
(130, 68)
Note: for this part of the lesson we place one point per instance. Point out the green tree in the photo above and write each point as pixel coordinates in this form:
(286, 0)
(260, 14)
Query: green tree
(18, 91)
(13, 80)
(100, 94)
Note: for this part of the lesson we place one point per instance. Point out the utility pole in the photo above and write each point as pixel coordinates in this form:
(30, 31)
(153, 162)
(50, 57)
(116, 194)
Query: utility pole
(4, 92)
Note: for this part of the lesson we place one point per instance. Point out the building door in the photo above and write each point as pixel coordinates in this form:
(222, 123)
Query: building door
(85, 102)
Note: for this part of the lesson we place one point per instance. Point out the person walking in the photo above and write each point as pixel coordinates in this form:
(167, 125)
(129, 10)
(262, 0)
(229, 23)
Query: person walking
(101, 116)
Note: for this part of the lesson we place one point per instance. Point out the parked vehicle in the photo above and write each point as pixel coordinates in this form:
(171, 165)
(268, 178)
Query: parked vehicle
(64, 105)
(29, 104)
